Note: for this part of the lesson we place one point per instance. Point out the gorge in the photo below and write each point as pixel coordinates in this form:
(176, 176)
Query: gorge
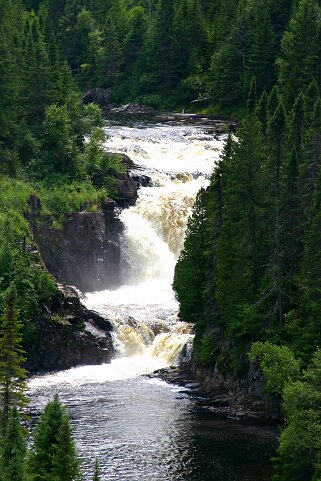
(140, 427)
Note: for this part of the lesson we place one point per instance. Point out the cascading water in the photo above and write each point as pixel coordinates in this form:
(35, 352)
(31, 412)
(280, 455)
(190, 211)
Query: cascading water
(143, 429)
(178, 161)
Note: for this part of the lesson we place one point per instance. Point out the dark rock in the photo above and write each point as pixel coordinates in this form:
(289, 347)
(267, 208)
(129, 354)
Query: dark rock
(126, 189)
(227, 391)
(85, 250)
(142, 180)
(68, 335)
(127, 161)
(98, 96)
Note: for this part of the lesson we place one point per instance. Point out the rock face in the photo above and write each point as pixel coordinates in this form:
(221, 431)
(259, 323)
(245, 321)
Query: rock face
(68, 335)
(240, 390)
(85, 251)
(98, 96)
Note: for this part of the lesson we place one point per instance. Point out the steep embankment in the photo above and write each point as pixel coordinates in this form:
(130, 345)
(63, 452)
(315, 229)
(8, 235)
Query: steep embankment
(82, 250)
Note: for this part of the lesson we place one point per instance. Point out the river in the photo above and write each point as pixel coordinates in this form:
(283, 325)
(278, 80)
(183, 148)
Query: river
(141, 428)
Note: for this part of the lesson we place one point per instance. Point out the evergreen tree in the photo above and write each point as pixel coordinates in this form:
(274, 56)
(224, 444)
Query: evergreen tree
(13, 451)
(261, 112)
(297, 65)
(262, 54)
(251, 102)
(37, 76)
(297, 124)
(311, 161)
(277, 137)
(12, 372)
(193, 262)
(53, 456)
(96, 471)
(65, 466)
(291, 221)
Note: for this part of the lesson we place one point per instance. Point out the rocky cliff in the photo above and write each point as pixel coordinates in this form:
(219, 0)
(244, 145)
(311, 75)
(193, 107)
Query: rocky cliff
(67, 335)
(233, 382)
(85, 251)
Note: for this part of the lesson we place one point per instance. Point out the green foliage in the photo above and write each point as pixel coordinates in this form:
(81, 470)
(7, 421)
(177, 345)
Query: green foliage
(278, 365)
(299, 450)
(189, 281)
(206, 354)
(53, 455)
(96, 471)
(12, 373)
(61, 200)
(14, 450)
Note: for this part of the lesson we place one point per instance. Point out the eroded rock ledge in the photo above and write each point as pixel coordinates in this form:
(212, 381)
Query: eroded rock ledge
(68, 335)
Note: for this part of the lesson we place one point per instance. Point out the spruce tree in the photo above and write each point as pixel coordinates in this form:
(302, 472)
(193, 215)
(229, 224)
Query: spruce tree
(96, 471)
(53, 456)
(297, 124)
(65, 465)
(291, 221)
(189, 276)
(277, 138)
(12, 372)
(311, 160)
(251, 101)
(13, 451)
(261, 112)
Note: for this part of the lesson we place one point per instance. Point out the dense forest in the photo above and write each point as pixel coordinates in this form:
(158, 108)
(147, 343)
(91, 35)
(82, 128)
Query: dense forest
(251, 265)
(250, 268)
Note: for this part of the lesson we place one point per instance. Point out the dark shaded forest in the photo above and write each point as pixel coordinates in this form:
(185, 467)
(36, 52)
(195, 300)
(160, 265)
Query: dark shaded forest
(251, 265)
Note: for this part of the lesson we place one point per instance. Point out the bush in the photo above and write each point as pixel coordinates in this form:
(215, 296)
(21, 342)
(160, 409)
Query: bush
(277, 363)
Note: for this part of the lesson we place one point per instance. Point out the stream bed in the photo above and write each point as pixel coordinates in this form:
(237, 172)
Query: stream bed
(142, 428)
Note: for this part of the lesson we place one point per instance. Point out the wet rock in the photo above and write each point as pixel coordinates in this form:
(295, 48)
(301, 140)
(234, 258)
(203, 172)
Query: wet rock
(68, 335)
(142, 180)
(85, 250)
(126, 188)
(127, 161)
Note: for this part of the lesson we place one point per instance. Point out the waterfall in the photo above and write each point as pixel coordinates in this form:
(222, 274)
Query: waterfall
(179, 161)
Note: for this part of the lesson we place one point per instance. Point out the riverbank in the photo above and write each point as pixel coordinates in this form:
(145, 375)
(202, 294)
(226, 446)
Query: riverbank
(233, 402)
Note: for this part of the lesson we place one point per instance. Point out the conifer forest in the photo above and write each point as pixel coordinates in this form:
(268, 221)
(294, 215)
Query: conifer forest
(94, 93)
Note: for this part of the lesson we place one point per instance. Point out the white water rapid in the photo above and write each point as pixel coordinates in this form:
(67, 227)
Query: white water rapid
(147, 333)
(178, 160)
(143, 429)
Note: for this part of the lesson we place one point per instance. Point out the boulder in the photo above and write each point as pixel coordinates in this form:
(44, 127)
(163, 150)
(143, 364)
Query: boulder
(67, 335)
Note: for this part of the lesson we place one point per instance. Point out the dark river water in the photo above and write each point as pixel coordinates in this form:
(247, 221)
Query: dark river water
(142, 429)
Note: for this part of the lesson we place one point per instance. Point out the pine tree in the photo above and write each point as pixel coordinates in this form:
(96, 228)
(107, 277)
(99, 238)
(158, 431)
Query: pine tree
(37, 75)
(65, 465)
(310, 97)
(294, 73)
(261, 112)
(277, 138)
(53, 454)
(12, 372)
(189, 276)
(240, 245)
(291, 221)
(251, 101)
(297, 124)
(262, 54)
(163, 46)
(13, 452)
(96, 471)
(273, 101)
(310, 169)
